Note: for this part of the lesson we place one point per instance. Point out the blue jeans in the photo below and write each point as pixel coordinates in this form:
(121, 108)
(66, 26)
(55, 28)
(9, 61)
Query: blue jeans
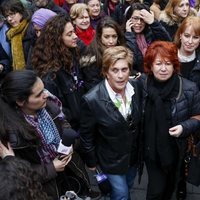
(121, 184)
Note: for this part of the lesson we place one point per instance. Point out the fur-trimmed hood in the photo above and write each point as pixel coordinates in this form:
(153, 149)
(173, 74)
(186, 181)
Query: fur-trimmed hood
(87, 60)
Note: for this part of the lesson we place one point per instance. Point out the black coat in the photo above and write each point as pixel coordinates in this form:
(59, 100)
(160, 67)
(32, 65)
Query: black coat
(183, 107)
(118, 15)
(62, 85)
(91, 71)
(195, 73)
(106, 137)
(51, 6)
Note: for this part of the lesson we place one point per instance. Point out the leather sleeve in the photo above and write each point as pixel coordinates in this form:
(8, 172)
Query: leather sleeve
(87, 133)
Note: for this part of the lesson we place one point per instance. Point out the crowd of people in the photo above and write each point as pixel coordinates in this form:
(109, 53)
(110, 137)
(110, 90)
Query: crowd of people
(119, 79)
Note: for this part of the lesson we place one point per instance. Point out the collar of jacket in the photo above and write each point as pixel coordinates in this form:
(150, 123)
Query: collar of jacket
(144, 80)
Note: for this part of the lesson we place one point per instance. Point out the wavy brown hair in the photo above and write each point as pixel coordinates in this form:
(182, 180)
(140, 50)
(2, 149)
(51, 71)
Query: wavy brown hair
(50, 53)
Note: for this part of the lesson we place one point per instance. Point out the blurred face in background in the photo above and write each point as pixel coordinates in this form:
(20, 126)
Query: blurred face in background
(83, 20)
(41, 3)
(189, 41)
(109, 37)
(94, 8)
(182, 10)
(138, 23)
(71, 2)
(13, 18)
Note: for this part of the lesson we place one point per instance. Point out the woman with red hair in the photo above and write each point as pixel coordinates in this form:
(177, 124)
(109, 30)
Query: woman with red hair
(170, 101)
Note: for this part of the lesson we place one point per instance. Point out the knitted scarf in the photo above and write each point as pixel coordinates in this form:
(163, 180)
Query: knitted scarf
(86, 35)
(159, 143)
(15, 35)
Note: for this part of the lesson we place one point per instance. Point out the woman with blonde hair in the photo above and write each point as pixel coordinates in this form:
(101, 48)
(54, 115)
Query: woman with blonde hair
(174, 13)
(79, 14)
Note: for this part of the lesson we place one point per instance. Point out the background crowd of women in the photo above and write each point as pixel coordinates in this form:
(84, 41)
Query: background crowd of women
(64, 41)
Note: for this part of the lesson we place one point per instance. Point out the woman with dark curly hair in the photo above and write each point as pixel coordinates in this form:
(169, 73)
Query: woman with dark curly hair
(19, 181)
(55, 59)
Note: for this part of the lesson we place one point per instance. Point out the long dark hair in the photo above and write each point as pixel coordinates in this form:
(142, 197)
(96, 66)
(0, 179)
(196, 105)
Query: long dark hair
(16, 86)
(96, 47)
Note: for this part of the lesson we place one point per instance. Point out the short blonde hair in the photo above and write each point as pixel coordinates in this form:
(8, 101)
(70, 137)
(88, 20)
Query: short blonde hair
(113, 54)
(77, 9)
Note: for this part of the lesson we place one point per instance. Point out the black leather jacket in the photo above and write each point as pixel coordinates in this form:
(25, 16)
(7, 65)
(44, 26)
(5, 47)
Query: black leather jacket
(107, 138)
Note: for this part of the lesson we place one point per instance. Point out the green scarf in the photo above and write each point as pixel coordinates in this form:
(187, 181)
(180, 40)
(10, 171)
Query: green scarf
(15, 35)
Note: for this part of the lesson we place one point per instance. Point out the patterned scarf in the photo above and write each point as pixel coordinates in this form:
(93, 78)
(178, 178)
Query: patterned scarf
(15, 35)
(48, 134)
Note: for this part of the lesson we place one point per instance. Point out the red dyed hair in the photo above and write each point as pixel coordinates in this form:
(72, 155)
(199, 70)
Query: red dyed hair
(166, 50)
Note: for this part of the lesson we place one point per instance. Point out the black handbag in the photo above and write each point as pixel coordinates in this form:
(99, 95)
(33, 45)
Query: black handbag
(192, 161)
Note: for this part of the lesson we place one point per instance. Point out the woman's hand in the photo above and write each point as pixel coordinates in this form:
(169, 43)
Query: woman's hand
(176, 131)
(60, 163)
(129, 25)
(148, 17)
(6, 151)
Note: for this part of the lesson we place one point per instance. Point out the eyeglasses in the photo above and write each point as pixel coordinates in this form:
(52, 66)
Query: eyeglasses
(137, 19)
(10, 15)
